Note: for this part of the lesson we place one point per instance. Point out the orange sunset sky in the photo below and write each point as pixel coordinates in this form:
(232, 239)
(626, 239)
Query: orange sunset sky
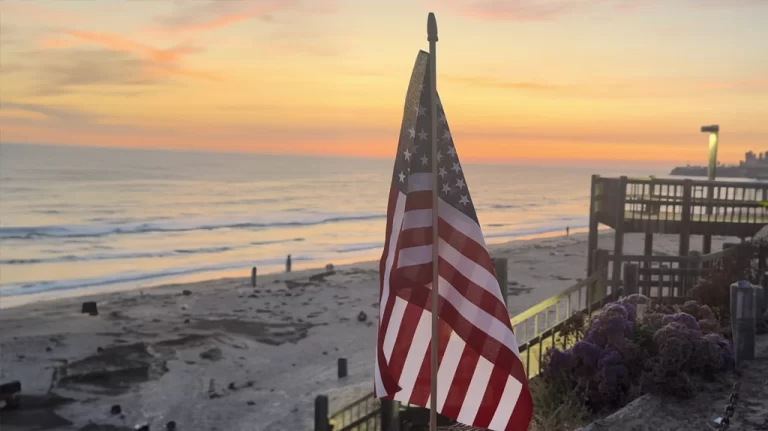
(521, 80)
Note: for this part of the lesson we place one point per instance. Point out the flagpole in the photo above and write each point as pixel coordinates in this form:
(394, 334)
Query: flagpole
(432, 38)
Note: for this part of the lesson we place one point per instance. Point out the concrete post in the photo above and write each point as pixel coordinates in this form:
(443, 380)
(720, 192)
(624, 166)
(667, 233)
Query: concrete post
(743, 321)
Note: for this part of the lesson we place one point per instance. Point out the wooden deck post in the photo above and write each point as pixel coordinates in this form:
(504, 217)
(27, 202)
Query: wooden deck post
(321, 413)
(592, 238)
(390, 415)
(685, 219)
(631, 278)
(599, 289)
(648, 246)
(618, 244)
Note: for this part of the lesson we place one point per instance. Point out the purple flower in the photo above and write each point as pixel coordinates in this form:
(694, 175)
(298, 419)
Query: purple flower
(587, 353)
(683, 318)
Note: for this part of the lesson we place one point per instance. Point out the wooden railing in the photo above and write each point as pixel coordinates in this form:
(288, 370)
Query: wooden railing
(684, 199)
(538, 327)
(361, 415)
(668, 276)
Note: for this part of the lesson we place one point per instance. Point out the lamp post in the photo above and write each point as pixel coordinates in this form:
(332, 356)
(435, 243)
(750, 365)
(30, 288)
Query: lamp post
(713, 131)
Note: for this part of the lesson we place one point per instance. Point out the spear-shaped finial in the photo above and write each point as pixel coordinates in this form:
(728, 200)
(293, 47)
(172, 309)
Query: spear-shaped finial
(431, 28)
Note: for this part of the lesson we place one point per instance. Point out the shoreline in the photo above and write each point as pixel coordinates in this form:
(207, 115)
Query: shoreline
(12, 301)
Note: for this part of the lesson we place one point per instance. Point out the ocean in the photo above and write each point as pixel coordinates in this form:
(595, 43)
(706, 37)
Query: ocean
(80, 218)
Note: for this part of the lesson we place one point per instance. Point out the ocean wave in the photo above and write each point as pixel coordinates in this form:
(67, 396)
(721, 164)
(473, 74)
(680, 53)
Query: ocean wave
(359, 247)
(140, 255)
(550, 226)
(180, 226)
(13, 289)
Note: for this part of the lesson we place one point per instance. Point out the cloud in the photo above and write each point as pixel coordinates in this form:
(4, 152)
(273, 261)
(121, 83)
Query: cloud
(32, 11)
(155, 62)
(34, 117)
(49, 112)
(516, 10)
(216, 14)
(61, 72)
(509, 85)
(545, 10)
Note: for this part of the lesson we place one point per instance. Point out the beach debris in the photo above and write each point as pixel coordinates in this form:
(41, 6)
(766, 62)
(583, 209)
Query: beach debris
(362, 317)
(250, 403)
(184, 307)
(342, 367)
(170, 426)
(48, 349)
(116, 409)
(10, 395)
(212, 389)
(89, 307)
(253, 276)
(113, 369)
(288, 264)
(186, 292)
(212, 354)
(141, 427)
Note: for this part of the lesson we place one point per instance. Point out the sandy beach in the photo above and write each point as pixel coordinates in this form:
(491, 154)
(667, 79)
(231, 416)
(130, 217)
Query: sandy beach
(221, 355)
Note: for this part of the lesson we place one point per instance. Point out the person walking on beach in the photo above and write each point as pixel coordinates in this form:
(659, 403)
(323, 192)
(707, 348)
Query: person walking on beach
(567, 231)
(288, 264)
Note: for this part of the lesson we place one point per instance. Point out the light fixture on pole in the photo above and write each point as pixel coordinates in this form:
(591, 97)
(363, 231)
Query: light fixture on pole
(713, 131)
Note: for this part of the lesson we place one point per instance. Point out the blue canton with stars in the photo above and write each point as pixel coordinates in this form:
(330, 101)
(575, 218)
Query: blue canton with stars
(415, 151)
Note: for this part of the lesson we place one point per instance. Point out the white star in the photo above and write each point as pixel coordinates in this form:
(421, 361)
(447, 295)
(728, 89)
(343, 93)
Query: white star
(446, 188)
(424, 159)
(442, 172)
(439, 156)
(402, 177)
(422, 135)
(452, 151)
(442, 118)
(447, 134)
(412, 131)
(407, 155)
(420, 110)
(460, 183)
(456, 167)
(464, 200)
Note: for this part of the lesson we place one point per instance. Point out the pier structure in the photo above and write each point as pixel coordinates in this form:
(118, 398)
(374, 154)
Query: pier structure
(681, 207)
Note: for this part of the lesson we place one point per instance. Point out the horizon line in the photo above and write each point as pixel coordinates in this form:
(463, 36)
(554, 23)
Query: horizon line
(526, 162)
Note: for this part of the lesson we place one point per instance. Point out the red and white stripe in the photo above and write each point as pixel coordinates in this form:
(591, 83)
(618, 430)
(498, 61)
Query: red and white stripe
(481, 380)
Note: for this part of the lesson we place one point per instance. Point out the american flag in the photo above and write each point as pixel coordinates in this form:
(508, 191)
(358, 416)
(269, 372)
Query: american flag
(481, 380)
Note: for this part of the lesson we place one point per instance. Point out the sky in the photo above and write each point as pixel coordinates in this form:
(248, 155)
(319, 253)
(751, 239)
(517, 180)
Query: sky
(567, 81)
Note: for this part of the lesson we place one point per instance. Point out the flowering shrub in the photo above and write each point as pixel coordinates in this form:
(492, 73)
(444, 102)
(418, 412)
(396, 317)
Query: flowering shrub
(623, 355)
